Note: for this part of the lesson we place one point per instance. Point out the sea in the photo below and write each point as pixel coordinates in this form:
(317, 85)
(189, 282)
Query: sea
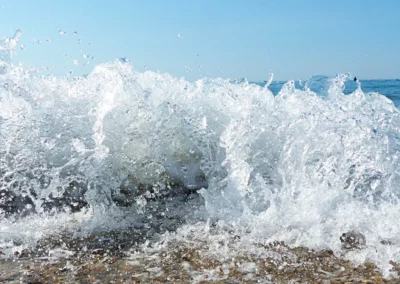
(300, 162)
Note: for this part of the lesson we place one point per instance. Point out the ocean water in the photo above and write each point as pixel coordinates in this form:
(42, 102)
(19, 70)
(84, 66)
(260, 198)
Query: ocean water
(389, 88)
(299, 162)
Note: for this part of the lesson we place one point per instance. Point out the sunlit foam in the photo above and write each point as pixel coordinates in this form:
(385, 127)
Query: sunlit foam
(303, 167)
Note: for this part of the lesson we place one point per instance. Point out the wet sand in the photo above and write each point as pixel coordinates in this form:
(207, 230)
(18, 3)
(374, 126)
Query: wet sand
(117, 258)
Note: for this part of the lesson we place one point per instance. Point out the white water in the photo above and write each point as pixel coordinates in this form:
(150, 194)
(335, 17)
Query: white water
(300, 167)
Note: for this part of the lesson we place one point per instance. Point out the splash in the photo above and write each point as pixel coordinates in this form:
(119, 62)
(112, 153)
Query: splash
(304, 166)
(9, 44)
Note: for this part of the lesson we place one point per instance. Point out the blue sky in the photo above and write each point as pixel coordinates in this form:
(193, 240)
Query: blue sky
(293, 39)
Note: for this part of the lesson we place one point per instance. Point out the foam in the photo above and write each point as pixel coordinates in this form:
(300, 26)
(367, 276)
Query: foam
(303, 167)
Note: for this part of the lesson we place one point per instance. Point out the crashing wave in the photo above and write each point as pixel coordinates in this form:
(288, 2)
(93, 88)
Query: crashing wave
(303, 166)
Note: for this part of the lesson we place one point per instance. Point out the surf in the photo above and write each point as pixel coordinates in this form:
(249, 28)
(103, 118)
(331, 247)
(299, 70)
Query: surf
(120, 148)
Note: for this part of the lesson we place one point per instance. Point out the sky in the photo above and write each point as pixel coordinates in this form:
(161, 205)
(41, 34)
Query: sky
(294, 39)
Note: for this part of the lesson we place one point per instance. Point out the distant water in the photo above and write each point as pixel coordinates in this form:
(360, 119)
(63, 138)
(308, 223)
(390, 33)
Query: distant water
(389, 88)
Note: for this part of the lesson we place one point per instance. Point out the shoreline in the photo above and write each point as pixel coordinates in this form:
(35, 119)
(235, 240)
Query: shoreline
(85, 260)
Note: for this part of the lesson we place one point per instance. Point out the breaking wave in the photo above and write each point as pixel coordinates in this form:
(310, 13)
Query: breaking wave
(119, 148)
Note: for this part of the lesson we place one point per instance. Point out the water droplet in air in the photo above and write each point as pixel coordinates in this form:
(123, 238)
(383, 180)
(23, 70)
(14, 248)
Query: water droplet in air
(62, 32)
(180, 36)
(22, 47)
(124, 59)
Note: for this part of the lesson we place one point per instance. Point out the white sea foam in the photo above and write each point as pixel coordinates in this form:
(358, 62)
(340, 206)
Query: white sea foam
(302, 167)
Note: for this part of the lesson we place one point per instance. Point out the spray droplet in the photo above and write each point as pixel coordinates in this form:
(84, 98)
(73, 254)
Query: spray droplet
(124, 59)
(204, 122)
